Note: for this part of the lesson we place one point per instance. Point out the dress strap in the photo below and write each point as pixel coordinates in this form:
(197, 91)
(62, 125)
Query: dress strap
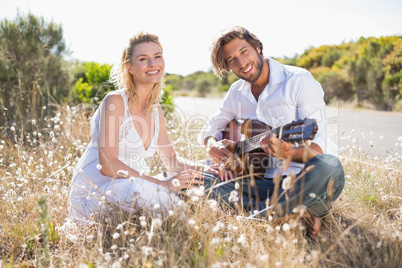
(156, 134)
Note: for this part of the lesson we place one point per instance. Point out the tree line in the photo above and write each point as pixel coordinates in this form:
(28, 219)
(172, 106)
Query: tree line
(367, 71)
(36, 78)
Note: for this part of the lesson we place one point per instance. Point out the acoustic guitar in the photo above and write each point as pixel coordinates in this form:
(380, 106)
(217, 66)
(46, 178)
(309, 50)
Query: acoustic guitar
(247, 135)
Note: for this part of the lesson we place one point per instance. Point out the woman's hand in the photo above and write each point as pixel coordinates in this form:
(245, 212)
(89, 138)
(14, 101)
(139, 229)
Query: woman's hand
(184, 180)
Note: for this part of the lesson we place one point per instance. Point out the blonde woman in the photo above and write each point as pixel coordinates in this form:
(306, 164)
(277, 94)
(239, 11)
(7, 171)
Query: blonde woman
(127, 127)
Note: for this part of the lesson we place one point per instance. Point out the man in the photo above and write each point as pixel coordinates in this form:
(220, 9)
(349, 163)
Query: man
(274, 94)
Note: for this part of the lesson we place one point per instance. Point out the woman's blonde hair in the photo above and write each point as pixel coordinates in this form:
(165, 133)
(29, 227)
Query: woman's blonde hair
(123, 79)
(217, 58)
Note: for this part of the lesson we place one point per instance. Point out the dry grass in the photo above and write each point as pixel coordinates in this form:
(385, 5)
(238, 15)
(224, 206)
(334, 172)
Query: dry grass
(363, 229)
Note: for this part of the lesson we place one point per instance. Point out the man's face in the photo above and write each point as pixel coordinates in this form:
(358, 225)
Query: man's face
(244, 60)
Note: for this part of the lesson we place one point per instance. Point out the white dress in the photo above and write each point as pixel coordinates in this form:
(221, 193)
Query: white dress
(91, 192)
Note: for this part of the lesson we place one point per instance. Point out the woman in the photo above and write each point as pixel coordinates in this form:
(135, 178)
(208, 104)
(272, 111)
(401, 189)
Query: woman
(127, 127)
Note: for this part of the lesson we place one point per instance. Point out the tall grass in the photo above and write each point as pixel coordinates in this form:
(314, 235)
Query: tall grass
(363, 229)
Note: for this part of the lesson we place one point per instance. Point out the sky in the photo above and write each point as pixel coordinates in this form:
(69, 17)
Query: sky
(99, 30)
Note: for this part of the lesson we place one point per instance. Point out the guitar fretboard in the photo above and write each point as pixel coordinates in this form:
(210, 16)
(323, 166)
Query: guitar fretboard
(253, 143)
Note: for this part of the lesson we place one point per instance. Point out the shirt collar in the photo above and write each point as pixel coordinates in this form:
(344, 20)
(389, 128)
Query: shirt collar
(277, 74)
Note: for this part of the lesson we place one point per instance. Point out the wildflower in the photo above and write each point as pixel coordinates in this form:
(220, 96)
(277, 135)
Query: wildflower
(312, 195)
(171, 212)
(72, 238)
(242, 240)
(215, 241)
(237, 186)
(234, 196)
(176, 183)
(12, 128)
(286, 227)
(219, 225)
(33, 122)
(147, 250)
(99, 166)
(239, 218)
(156, 206)
(108, 192)
(157, 223)
(131, 179)
(191, 222)
(116, 264)
(212, 204)
(113, 247)
(287, 183)
(116, 235)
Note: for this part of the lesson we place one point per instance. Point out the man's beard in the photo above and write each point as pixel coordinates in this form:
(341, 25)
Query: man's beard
(253, 78)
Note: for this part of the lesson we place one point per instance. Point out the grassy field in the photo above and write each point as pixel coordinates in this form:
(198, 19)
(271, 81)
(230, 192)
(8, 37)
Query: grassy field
(364, 228)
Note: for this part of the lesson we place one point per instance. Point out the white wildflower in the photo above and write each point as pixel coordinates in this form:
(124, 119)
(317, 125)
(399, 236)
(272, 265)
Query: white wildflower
(176, 183)
(116, 264)
(72, 238)
(116, 235)
(312, 195)
(242, 240)
(287, 183)
(108, 192)
(212, 204)
(286, 227)
(234, 196)
(156, 223)
(147, 250)
(99, 166)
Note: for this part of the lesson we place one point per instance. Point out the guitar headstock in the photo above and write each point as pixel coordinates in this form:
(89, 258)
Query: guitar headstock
(299, 132)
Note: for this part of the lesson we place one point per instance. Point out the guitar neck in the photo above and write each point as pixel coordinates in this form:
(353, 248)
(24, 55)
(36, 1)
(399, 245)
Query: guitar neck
(253, 143)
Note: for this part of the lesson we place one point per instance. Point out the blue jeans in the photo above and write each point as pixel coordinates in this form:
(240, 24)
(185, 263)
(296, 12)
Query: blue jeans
(315, 190)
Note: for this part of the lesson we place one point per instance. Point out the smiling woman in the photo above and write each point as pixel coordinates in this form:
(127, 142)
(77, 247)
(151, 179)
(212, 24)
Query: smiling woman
(128, 127)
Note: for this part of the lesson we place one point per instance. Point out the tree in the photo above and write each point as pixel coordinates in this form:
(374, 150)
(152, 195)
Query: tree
(33, 74)
(91, 82)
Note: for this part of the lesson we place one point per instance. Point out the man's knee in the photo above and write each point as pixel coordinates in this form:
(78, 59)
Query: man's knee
(329, 171)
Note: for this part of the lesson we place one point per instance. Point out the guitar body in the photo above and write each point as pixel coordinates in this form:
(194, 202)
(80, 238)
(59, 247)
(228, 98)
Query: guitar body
(238, 130)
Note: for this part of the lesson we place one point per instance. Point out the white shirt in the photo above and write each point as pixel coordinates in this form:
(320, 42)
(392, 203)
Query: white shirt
(291, 94)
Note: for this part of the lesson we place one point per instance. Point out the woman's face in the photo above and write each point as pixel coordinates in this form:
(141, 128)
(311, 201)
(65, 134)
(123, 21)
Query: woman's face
(147, 63)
